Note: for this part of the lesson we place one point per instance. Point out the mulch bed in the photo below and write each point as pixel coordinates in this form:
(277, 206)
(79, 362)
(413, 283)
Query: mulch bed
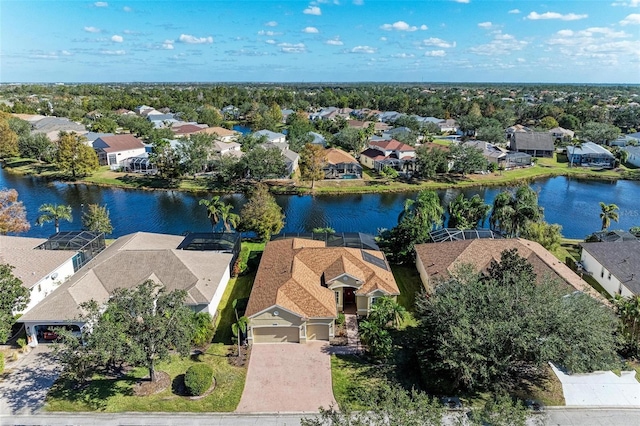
(146, 387)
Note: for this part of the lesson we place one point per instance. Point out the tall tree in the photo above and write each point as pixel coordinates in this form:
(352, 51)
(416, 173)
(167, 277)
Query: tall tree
(214, 207)
(228, 218)
(467, 213)
(467, 159)
(431, 161)
(575, 144)
(96, 219)
(195, 152)
(313, 159)
(74, 157)
(512, 212)
(601, 133)
(165, 158)
(298, 126)
(482, 332)
(608, 212)
(14, 297)
(8, 140)
(261, 214)
(262, 163)
(37, 146)
(54, 213)
(628, 310)
(13, 216)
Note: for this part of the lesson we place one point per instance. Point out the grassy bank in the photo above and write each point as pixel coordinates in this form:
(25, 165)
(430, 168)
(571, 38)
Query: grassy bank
(371, 183)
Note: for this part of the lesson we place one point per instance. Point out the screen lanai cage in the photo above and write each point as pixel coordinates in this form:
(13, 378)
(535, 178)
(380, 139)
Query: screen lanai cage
(87, 244)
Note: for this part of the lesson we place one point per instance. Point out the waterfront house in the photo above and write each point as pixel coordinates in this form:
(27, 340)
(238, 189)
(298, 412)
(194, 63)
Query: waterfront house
(302, 284)
(221, 134)
(536, 144)
(318, 139)
(436, 261)
(341, 165)
(561, 134)
(198, 263)
(291, 158)
(633, 153)
(590, 155)
(614, 265)
(392, 153)
(114, 151)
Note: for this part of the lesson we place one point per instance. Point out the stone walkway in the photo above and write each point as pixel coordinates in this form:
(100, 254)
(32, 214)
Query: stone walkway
(353, 346)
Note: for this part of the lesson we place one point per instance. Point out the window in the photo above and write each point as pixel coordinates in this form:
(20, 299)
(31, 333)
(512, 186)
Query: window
(602, 273)
(374, 300)
(112, 159)
(609, 277)
(620, 288)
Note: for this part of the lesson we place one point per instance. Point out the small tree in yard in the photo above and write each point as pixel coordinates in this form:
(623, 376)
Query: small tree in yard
(312, 161)
(13, 216)
(13, 297)
(261, 214)
(54, 213)
(74, 157)
(239, 328)
(96, 219)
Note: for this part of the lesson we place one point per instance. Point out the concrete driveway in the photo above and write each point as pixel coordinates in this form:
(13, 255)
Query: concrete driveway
(24, 388)
(288, 377)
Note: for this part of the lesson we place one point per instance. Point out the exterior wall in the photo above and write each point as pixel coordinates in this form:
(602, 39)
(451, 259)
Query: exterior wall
(634, 159)
(122, 156)
(340, 298)
(366, 161)
(608, 281)
(424, 277)
(212, 308)
(47, 284)
(362, 303)
(268, 319)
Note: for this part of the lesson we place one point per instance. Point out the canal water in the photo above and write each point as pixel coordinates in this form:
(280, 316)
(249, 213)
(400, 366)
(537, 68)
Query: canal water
(572, 203)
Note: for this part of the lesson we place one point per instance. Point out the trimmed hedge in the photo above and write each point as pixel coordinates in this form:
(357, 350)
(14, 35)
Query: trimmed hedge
(198, 379)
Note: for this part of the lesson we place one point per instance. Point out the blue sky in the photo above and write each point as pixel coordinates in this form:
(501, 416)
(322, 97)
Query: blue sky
(571, 41)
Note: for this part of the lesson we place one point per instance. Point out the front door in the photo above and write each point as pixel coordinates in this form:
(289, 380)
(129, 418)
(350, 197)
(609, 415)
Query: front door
(349, 296)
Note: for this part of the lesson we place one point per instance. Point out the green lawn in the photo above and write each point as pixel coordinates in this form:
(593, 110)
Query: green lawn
(238, 288)
(409, 283)
(116, 395)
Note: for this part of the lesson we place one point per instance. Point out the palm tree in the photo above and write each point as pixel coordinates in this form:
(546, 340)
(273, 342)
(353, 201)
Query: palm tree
(239, 328)
(576, 144)
(426, 208)
(228, 219)
(609, 213)
(511, 213)
(54, 213)
(213, 209)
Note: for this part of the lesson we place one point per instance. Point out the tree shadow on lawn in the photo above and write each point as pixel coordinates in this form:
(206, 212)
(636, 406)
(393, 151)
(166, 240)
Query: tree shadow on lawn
(146, 181)
(94, 394)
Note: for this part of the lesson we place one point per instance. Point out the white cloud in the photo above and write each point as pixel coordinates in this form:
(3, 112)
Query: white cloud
(565, 33)
(113, 52)
(101, 4)
(168, 45)
(65, 53)
(438, 42)
(363, 49)
(117, 39)
(435, 53)
(633, 19)
(521, 60)
(334, 42)
(399, 26)
(189, 39)
(268, 33)
(127, 9)
(270, 41)
(383, 39)
(292, 47)
(462, 1)
(312, 10)
(534, 16)
(404, 55)
(631, 3)
(423, 27)
(311, 30)
(271, 24)
(514, 11)
(502, 44)
(485, 25)
(358, 2)
(92, 29)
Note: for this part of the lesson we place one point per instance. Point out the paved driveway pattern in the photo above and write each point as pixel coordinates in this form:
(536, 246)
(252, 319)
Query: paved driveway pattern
(24, 388)
(288, 377)
(600, 389)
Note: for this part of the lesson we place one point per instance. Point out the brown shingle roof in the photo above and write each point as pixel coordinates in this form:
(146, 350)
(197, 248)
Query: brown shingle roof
(220, 131)
(441, 259)
(392, 145)
(337, 156)
(186, 129)
(291, 270)
(118, 143)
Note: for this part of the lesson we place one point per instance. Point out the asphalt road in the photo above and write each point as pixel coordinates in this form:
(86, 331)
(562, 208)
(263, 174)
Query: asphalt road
(555, 417)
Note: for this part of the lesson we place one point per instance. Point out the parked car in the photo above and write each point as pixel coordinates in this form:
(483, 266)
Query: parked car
(49, 335)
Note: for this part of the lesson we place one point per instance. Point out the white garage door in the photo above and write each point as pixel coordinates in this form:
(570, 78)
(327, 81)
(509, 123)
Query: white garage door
(276, 334)
(318, 332)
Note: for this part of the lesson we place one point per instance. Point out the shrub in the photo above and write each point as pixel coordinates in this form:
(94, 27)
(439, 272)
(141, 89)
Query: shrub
(1, 363)
(203, 329)
(22, 343)
(198, 379)
(340, 320)
(240, 266)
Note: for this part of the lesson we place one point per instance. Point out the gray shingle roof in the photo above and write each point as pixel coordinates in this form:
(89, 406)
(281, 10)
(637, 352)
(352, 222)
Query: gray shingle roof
(129, 261)
(621, 258)
(540, 141)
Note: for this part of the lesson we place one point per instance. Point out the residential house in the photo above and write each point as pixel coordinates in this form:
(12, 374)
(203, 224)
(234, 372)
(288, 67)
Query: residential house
(291, 158)
(160, 120)
(52, 126)
(561, 135)
(331, 113)
(378, 126)
(286, 113)
(389, 116)
(188, 129)
(611, 236)
(142, 108)
(230, 112)
(222, 134)
(437, 261)
(341, 165)
(448, 125)
(41, 271)
(173, 261)
(115, 150)
(302, 284)
(396, 132)
(614, 265)
(518, 128)
(392, 153)
(633, 153)
(500, 157)
(227, 148)
(272, 137)
(92, 136)
(537, 144)
(318, 139)
(590, 155)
